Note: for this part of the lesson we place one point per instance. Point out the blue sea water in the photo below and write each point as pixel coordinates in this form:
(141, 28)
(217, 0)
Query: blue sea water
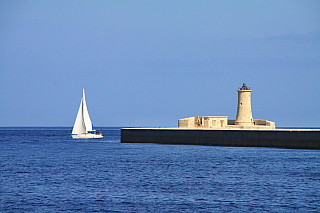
(45, 170)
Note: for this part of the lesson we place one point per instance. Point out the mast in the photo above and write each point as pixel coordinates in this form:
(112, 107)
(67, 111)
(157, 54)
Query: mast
(86, 117)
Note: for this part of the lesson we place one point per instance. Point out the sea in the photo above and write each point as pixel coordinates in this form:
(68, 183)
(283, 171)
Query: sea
(45, 170)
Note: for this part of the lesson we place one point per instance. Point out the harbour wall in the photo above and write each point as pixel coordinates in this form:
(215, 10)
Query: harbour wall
(281, 138)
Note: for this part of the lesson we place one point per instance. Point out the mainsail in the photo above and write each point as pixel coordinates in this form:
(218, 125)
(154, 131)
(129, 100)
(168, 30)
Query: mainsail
(86, 117)
(83, 122)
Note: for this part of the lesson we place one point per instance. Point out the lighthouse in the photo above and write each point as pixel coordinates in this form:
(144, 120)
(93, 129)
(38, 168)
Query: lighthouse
(244, 113)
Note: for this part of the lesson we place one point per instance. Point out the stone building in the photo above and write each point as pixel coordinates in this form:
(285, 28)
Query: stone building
(243, 120)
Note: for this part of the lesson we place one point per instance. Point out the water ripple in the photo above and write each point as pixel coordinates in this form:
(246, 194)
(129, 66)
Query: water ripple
(44, 170)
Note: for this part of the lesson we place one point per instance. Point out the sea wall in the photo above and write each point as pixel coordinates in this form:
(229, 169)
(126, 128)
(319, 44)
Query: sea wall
(281, 138)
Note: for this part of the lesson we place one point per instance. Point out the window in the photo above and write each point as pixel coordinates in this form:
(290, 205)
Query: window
(214, 122)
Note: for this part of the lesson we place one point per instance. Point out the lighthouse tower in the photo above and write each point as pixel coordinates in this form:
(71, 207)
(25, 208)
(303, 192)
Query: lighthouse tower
(244, 113)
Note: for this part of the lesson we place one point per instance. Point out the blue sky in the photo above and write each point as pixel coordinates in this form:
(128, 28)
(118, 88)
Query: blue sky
(150, 63)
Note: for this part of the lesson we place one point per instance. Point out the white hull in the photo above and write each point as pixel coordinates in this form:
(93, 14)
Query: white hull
(87, 135)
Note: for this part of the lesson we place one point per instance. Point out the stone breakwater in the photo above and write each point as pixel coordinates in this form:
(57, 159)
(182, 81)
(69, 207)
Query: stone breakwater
(280, 138)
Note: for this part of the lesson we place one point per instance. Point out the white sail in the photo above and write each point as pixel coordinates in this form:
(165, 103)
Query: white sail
(78, 127)
(86, 117)
(83, 126)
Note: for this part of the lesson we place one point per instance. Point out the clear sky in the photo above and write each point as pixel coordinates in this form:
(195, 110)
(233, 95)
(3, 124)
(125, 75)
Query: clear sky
(150, 63)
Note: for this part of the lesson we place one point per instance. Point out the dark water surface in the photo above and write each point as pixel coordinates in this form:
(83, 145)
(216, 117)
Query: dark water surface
(45, 170)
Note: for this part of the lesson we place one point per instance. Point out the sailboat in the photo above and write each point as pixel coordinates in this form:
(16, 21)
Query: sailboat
(83, 127)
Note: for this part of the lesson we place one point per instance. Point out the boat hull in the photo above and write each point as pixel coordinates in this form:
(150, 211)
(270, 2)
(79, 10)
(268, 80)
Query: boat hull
(87, 135)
